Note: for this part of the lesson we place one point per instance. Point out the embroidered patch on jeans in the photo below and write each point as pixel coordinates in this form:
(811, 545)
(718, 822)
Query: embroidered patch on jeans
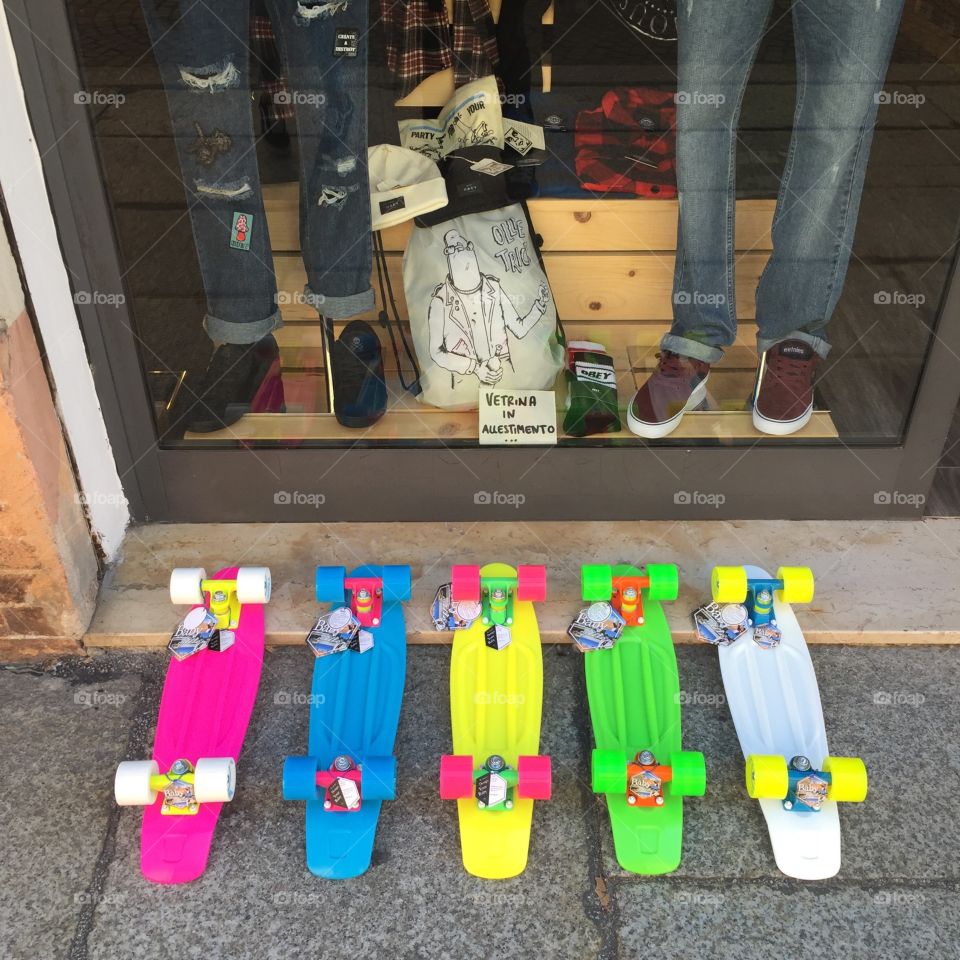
(240, 231)
(346, 43)
(208, 147)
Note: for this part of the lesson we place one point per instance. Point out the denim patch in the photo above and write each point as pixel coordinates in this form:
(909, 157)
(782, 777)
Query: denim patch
(211, 78)
(335, 196)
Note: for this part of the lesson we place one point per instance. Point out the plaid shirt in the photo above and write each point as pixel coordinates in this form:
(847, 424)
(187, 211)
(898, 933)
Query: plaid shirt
(418, 40)
(628, 144)
(474, 41)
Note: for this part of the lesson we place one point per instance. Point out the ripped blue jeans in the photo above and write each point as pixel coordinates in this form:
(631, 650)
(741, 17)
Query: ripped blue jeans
(203, 55)
(843, 48)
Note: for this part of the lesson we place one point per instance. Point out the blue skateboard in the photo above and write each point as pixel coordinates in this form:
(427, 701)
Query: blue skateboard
(354, 710)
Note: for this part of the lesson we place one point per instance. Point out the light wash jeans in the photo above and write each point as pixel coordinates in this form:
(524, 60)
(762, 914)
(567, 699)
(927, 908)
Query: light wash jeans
(202, 50)
(843, 48)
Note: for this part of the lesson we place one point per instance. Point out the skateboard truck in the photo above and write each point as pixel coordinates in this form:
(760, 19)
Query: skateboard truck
(342, 785)
(190, 585)
(495, 785)
(624, 591)
(367, 594)
(800, 787)
(184, 787)
(496, 594)
(643, 778)
(732, 585)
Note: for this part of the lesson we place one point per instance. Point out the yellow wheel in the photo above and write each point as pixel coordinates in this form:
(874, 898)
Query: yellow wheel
(729, 584)
(767, 777)
(848, 779)
(797, 584)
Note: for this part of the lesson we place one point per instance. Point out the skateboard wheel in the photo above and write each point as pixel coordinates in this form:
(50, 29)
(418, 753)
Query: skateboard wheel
(378, 778)
(532, 583)
(664, 581)
(300, 778)
(456, 777)
(253, 584)
(689, 774)
(185, 585)
(131, 785)
(596, 582)
(797, 584)
(465, 582)
(534, 777)
(729, 584)
(848, 779)
(767, 777)
(215, 779)
(608, 771)
(396, 582)
(328, 584)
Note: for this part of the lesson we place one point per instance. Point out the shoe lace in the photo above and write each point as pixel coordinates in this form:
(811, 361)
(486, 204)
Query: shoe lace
(792, 372)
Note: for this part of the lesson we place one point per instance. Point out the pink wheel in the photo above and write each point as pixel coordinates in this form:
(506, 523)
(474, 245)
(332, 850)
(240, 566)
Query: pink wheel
(465, 582)
(456, 777)
(532, 583)
(534, 777)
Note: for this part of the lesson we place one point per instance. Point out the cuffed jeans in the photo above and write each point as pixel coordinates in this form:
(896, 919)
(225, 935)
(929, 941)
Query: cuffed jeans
(203, 55)
(843, 48)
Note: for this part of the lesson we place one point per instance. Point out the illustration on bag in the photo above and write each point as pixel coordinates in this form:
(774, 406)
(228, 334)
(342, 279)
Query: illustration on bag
(470, 313)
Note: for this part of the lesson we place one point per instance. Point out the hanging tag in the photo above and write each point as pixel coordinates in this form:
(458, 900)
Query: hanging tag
(497, 637)
(333, 632)
(597, 627)
(447, 615)
(720, 624)
(193, 634)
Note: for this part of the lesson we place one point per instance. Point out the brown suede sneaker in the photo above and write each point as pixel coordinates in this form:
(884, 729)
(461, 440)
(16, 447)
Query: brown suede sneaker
(784, 400)
(677, 385)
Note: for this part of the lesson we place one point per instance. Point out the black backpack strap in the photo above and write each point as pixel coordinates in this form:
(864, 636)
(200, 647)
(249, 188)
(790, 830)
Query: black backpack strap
(387, 298)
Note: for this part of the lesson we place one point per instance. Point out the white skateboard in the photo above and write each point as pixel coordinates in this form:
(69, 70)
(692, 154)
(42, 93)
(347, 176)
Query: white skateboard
(775, 704)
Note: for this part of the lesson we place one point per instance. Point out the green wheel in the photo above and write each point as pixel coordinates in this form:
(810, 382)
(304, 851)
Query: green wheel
(609, 771)
(689, 774)
(596, 582)
(664, 581)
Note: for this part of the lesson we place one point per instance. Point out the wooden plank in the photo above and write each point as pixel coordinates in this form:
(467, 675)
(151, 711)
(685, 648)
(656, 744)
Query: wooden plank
(614, 286)
(432, 424)
(601, 224)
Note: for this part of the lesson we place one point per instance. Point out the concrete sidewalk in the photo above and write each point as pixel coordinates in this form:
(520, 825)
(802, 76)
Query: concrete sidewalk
(71, 885)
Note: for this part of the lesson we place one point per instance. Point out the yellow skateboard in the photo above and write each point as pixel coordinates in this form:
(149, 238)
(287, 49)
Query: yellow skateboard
(496, 697)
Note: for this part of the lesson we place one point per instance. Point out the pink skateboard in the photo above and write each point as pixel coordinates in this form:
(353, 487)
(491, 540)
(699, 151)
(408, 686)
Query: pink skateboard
(204, 711)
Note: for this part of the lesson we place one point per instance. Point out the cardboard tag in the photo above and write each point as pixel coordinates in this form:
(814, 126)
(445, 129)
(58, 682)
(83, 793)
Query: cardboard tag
(344, 793)
(509, 417)
(720, 624)
(361, 643)
(497, 637)
(597, 627)
(333, 632)
(346, 43)
(194, 633)
(447, 615)
(490, 167)
(221, 640)
(766, 636)
(491, 789)
(512, 137)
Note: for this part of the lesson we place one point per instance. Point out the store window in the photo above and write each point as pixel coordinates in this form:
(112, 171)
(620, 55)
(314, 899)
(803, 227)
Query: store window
(698, 222)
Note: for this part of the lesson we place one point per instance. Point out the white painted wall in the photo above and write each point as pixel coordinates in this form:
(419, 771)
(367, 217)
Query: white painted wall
(24, 191)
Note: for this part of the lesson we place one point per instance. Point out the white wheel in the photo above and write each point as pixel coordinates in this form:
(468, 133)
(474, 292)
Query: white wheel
(185, 584)
(214, 779)
(253, 584)
(131, 785)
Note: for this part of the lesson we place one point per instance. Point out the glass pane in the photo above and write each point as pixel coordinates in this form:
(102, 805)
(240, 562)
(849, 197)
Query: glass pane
(683, 233)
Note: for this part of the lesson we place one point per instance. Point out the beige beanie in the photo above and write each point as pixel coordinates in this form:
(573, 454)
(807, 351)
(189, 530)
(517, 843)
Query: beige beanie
(403, 184)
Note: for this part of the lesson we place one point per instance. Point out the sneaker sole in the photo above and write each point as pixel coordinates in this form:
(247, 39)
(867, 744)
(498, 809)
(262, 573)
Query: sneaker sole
(656, 431)
(781, 428)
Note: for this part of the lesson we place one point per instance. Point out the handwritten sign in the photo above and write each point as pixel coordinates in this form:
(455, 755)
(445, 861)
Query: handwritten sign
(518, 417)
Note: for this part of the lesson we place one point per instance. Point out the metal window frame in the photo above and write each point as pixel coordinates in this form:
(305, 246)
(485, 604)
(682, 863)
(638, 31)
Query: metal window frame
(380, 483)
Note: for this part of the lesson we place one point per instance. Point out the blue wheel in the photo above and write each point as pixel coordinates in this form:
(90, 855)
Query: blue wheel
(396, 583)
(378, 778)
(329, 584)
(300, 778)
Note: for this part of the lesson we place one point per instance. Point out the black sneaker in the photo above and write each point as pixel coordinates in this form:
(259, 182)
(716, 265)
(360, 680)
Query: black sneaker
(359, 386)
(236, 382)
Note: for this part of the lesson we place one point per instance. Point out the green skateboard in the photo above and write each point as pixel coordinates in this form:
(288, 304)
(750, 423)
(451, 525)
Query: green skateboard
(634, 694)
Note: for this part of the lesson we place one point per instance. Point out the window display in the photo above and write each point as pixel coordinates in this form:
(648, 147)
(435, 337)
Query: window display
(694, 223)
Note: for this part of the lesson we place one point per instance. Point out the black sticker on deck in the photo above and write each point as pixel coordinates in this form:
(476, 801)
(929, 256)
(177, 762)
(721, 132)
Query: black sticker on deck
(346, 43)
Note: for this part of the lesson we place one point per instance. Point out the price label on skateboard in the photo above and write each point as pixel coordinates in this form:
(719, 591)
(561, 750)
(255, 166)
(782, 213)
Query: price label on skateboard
(597, 627)
(497, 637)
(720, 624)
(491, 790)
(194, 633)
(447, 615)
(344, 793)
(335, 632)
(766, 636)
